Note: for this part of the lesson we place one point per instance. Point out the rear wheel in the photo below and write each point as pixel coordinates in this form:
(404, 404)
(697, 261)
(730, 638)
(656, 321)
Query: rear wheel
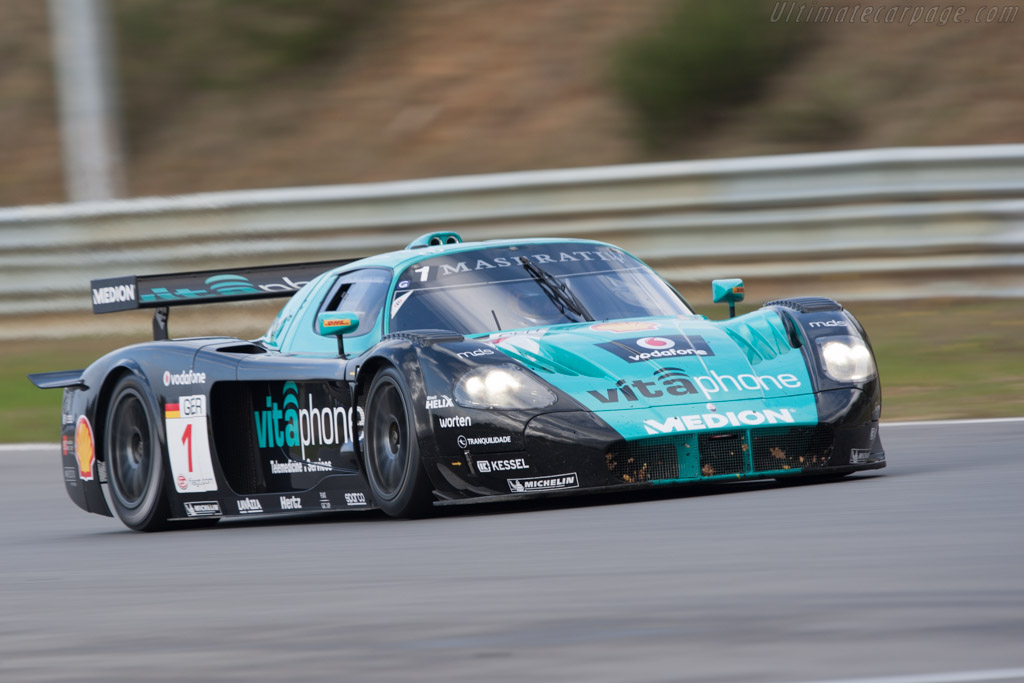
(399, 484)
(134, 466)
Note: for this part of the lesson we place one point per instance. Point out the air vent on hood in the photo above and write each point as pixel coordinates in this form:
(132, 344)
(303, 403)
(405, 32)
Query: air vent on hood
(807, 304)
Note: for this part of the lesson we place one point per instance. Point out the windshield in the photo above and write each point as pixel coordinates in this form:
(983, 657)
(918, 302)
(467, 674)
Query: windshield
(487, 290)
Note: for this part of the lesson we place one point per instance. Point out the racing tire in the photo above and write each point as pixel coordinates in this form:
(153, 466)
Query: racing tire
(398, 482)
(135, 468)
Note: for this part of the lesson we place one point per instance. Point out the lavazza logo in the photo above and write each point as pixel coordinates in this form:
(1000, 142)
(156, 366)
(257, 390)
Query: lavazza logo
(184, 378)
(248, 506)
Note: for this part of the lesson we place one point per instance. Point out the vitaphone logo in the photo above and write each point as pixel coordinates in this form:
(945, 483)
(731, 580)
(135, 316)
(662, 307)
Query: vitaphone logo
(227, 284)
(676, 382)
(667, 346)
(289, 424)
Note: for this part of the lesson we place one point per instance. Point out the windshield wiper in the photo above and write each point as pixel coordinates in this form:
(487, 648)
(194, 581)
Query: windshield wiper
(556, 290)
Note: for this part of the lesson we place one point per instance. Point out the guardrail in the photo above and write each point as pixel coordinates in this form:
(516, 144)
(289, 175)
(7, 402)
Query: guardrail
(944, 221)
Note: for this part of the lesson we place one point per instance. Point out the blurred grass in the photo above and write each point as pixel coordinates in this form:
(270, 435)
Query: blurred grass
(937, 359)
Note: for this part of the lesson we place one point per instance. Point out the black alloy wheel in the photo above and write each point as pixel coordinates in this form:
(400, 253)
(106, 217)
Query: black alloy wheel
(134, 467)
(399, 485)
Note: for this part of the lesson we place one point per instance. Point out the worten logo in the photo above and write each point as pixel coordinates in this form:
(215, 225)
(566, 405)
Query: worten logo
(224, 285)
(667, 346)
(677, 382)
(744, 418)
(114, 294)
(289, 424)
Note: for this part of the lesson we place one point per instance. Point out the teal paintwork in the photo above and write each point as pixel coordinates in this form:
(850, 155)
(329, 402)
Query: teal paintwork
(725, 375)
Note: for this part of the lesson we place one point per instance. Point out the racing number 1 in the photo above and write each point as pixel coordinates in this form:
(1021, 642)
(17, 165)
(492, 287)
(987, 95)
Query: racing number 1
(186, 439)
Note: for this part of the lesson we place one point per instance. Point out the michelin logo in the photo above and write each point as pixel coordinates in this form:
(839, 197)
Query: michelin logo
(558, 481)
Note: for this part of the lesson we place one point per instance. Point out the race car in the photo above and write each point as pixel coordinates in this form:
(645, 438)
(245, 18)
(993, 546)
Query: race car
(451, 373)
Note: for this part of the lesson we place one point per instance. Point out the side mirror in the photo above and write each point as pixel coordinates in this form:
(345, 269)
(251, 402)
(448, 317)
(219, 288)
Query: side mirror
(730, 291)
(336, 325)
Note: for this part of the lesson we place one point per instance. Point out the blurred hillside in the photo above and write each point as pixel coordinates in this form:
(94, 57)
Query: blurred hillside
(263, 93)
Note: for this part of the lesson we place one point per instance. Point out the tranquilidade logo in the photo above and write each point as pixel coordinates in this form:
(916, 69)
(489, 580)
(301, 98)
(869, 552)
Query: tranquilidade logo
(288, 423)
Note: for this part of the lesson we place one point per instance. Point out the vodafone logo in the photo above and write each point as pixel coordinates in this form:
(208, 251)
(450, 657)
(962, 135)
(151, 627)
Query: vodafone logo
(182, 482)
(659, 343)
(185, 377)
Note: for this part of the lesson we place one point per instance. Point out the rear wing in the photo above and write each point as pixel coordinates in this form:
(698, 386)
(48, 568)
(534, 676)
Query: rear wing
(202, 287)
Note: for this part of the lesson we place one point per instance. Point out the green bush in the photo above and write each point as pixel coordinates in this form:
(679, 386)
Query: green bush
(703, 58)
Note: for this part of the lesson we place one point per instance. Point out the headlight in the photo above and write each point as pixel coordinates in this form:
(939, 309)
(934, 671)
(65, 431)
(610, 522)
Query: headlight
(846, 359)
(501, 386)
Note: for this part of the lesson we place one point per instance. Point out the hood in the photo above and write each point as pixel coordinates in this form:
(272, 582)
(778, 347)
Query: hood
(649, 366)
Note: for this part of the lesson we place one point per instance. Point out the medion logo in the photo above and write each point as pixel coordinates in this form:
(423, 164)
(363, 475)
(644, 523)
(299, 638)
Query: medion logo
(744, 418)
(113, 295)
(676, 382)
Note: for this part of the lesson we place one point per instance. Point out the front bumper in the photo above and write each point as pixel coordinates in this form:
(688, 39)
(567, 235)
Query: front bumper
(577, 452)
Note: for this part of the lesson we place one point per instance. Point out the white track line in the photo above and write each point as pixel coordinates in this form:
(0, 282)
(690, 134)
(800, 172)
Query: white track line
(19, 447)
(958, 677)
(932, 423)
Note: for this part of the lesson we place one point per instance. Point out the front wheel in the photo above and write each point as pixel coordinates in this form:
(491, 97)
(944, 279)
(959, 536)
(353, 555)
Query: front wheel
(397, 480)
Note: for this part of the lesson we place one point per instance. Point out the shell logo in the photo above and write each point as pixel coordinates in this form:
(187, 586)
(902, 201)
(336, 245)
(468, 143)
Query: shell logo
(634, 326)
(85, 448)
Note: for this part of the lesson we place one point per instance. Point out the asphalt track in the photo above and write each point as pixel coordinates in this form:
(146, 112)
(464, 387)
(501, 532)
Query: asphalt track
(913, 575)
